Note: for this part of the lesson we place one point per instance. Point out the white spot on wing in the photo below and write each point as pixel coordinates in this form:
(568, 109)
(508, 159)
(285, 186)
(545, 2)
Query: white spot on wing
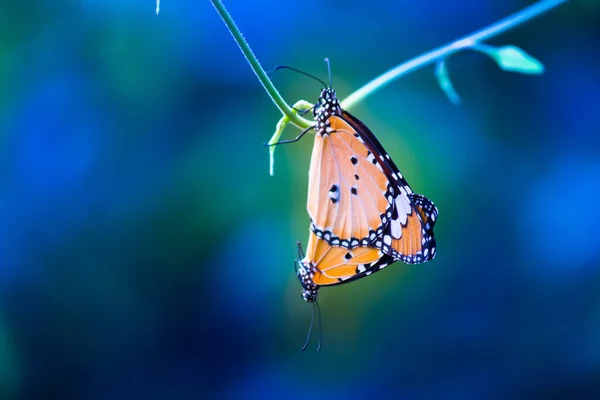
(396, 229)
(403, 208)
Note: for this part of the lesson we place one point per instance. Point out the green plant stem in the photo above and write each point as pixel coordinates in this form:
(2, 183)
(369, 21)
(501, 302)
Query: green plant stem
(447, 50)
(257, 68)
(418, 62)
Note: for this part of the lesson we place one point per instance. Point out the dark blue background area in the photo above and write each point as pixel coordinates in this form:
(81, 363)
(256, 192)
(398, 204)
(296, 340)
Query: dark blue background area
(146, 253)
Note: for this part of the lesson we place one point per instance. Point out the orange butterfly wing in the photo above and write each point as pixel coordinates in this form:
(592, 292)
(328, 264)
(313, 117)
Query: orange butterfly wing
(410, 238)
(409, 235)
(336, 265)
(348, 193)
(357, 195)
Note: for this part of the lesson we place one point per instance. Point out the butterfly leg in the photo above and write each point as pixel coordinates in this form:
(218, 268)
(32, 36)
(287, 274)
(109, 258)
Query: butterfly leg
(291, 140)
(303, 111)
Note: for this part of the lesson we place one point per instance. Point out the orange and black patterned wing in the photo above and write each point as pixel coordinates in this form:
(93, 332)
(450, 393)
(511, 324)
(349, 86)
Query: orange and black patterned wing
(427, 210)
(348, 194)
(329, 265)
(409, 236)
(357, 195)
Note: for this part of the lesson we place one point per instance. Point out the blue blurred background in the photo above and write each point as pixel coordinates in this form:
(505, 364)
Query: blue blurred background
(146, 253)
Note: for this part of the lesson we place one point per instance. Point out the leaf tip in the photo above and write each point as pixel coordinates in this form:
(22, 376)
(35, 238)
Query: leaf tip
(272, 160)
(513, 59)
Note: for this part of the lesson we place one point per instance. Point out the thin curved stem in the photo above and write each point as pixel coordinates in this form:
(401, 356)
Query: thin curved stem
(392, 74)
(445, 51)
(257, 68)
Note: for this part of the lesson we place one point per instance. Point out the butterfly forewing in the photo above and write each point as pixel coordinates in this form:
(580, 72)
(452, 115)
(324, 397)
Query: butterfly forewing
(348, 195)
(371, 141)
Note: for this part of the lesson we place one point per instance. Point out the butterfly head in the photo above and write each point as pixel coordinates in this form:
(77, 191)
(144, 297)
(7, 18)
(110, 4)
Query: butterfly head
(327, 106)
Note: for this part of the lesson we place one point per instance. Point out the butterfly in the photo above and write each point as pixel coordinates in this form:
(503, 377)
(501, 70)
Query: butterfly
(356, 193)
(363, 214)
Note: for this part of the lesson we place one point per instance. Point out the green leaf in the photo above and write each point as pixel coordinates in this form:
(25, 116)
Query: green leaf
(441, 73)
(512, 58)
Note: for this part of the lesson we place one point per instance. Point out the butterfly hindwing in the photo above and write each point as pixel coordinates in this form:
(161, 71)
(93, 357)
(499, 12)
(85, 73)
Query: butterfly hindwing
(331, 266)
(409, 236)
(426, 209)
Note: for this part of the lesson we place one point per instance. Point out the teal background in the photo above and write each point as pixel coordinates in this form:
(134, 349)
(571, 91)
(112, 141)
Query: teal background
(146, 253)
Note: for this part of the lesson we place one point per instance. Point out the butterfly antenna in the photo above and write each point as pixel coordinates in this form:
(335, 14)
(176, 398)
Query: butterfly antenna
(312, 320)
(320, 326)
(297, 70)
(328, 71)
